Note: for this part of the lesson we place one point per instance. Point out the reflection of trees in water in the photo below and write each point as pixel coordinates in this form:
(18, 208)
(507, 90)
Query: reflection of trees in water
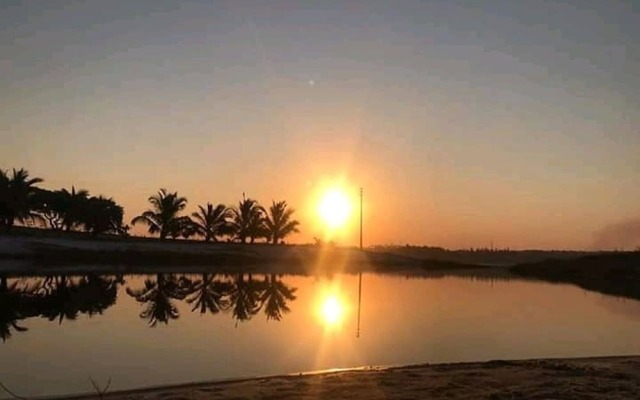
(158, 296)
(62, 297)
(244, 297)
(12, 308)
(59, 297)
(274, 297)
(240, 295)
(55, 298)
(209, 294)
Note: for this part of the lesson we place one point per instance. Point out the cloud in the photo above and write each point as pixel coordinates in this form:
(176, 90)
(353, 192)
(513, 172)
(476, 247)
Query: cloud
(624, 234)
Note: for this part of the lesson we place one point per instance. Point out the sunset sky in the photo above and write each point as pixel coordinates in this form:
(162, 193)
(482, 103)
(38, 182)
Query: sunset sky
(466, 122)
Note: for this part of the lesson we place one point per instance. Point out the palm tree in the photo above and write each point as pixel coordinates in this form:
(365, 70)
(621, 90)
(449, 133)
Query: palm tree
(165, 209)
(211, 221)
(279, 223)
(158, 296)
(17, 197)
(74, 205)
(247, 220)
(274, 297)
(209, 294)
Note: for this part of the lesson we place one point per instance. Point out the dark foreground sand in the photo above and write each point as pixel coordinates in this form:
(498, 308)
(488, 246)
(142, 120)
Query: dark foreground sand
(586, 378)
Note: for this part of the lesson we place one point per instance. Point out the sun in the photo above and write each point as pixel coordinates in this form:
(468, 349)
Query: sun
(331, 311)
(334, 208)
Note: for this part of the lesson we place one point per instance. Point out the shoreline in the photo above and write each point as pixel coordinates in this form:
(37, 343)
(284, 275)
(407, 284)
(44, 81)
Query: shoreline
(609, 377)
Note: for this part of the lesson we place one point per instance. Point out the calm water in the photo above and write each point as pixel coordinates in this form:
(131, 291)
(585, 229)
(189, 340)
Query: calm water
(163, 329)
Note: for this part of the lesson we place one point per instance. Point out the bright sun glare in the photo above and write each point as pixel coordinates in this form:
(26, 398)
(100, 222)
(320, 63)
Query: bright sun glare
(334, 208)
(331, 311)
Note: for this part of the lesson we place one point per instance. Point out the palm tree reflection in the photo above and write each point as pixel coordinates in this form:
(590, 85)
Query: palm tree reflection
(274, 297)
(60, 297)
(209, 294)
(244, 297)
(158, 296)
(13, 308)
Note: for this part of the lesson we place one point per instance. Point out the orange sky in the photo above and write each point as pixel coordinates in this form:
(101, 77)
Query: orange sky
(505, 125)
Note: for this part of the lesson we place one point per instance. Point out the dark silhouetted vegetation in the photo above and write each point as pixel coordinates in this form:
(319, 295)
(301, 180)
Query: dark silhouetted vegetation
(278, 222)
(17, 197)
(23, 202)
(616, 274)
(163, 217)
(211, 222)
(248, 220)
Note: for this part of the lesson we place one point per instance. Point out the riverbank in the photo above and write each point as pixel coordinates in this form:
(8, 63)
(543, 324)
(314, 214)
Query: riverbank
(615, 274)
(48, 252)
(610, 378)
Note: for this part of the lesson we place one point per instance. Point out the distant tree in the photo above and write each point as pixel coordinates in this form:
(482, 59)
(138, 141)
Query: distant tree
(17, 197)
(278, 222)
(248, 220)
(161, 218)
(211, 222)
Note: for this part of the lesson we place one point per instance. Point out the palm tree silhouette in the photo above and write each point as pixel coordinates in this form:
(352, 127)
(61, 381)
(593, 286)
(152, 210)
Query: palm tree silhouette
(209, 294)
(244, 297)
(247, 220)
(278, 222)
(158, 298)
(74, 204)
(17, 197)
(274, 297)
(164, 213)
(211, 221)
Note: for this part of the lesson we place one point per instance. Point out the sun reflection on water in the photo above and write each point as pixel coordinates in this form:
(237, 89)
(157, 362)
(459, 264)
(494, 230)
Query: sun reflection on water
(332, 311)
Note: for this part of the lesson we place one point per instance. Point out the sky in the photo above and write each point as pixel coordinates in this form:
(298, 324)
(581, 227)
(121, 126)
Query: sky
(465, 122)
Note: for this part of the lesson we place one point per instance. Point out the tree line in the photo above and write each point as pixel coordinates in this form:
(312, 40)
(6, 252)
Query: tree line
(22, 201)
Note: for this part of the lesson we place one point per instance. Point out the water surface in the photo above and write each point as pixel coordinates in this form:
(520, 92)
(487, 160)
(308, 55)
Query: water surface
(163, 329)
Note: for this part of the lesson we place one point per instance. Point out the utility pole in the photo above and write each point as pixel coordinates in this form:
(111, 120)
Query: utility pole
(360, 273)
(361, 194)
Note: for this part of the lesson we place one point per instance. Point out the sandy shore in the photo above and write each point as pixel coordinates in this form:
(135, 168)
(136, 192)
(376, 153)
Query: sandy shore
(585, 378)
